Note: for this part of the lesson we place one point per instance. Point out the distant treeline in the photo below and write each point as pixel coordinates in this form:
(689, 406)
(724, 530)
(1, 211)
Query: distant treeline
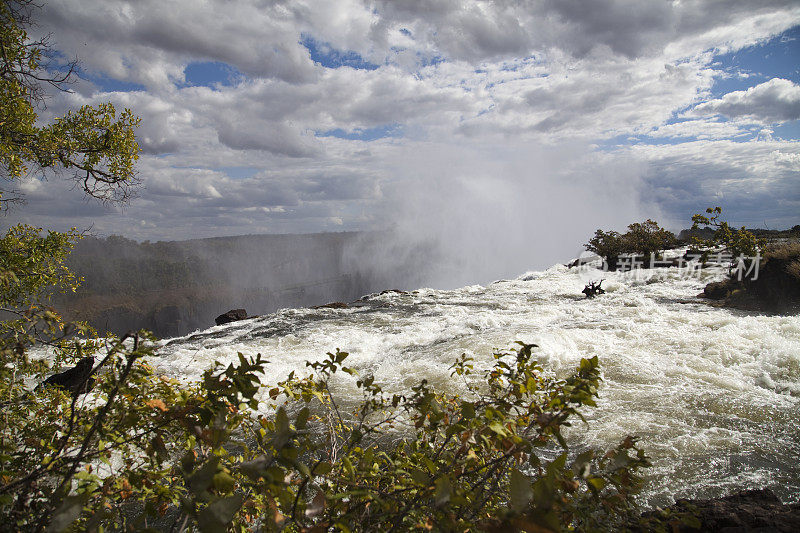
(770, 234)
(175, 287)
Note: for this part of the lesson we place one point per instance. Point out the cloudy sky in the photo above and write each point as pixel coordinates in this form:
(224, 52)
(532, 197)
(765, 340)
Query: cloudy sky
(535, 120)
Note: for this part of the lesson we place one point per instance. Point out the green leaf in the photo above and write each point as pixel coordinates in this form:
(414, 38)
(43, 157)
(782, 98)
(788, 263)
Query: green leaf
(216, 517)
(281, 421)
(302, 418)
(520, 488)
(443, 491)
(596, 483)
(202, 478)
(67, 512)
(581, 466)
(497, 427)
(419, 476)
(322, 468)
(281, 428)
(224, 482)
(254, 469)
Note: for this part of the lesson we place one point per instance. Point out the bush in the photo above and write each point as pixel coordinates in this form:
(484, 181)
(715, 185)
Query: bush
(607, 244)
(738, 243)
(642, 238)
(646, 238)
(201, 455)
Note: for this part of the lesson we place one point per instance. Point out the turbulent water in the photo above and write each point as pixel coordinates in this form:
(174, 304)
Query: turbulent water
(714, 394)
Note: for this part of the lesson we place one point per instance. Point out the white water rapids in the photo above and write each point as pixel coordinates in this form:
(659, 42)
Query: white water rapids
(713, 394)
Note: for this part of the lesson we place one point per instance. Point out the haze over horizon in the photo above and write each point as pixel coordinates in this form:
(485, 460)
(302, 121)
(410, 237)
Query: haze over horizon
(493, 128)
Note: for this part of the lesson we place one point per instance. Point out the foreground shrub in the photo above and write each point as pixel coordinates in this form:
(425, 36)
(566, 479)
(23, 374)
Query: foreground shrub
(145, 449)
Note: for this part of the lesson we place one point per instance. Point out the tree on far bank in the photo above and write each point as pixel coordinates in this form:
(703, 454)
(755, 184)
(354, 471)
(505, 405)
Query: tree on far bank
(642, 238)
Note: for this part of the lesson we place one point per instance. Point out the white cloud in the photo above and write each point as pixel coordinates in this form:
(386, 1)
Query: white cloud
(703, 129)
(774, 101)
(755, 182)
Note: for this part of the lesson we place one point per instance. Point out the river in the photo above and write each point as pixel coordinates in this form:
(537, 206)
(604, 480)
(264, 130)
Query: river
(712, 393)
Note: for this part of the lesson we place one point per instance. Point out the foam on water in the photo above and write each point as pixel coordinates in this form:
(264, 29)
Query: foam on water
(713, 393)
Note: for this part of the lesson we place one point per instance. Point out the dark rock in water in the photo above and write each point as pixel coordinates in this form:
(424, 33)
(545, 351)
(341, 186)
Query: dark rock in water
(393, 291)
(717, 290)
(77, 380)
(593, 289)
(750, 510)
(767, 283)
(581, 261)
(332, 305)
(231, 316)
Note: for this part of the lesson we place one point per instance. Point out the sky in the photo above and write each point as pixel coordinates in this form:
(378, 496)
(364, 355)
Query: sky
(495, 126)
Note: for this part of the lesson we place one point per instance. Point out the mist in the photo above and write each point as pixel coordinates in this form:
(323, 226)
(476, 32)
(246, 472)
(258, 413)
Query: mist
(469, 213)
(448, 215)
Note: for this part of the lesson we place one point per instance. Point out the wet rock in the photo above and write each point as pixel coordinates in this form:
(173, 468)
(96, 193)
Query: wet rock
(580, 261)
(231, 316)
(393, 291)
(750, 510)
(770, 284)
(332, 305)
(718, 290)
(76, 380)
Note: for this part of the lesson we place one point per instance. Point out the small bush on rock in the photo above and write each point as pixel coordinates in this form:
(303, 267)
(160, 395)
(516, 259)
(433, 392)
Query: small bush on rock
(763, 277)
(737, 242)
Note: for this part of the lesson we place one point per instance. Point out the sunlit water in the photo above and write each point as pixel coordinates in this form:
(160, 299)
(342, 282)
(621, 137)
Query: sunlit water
(712, 393)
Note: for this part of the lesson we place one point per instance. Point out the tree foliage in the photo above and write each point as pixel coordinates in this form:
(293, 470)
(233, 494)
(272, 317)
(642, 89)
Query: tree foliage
(95, 144)
(738, 242)
(607, 244)
(646, 238)
(31, 269)
(642, 238)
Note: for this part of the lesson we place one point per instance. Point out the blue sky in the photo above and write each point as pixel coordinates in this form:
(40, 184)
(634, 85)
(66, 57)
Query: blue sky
(424, 117)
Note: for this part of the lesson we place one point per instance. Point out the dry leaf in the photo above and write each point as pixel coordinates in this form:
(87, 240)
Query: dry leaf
(156, 404)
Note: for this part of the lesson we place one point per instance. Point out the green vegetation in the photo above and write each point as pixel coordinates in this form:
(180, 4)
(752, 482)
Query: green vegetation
(642, 238)
(143, 449)
(763, 276)
(738, 243)
(92, 143)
